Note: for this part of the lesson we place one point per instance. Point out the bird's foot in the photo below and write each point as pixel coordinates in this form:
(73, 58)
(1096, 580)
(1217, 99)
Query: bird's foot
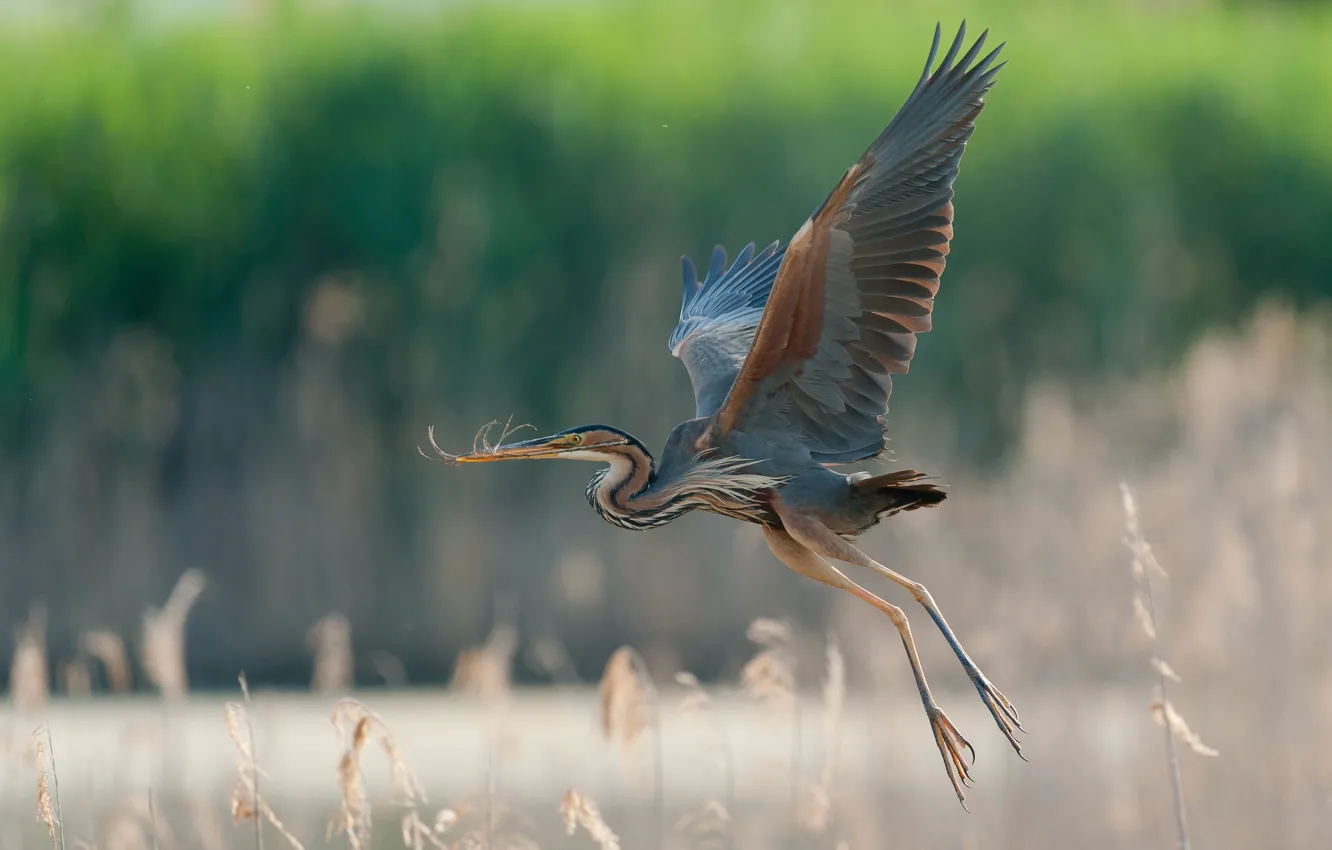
(951, 743)
(1001, 710)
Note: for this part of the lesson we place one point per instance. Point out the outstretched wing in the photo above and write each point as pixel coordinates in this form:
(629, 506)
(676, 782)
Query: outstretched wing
(858, 280)
(718, 318)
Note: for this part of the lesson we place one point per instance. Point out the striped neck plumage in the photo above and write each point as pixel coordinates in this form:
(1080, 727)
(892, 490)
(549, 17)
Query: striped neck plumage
(628, 493)
(630, 469)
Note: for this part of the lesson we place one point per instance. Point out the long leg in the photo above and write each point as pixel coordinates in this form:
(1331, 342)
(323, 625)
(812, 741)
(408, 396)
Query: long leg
(817, 537)
(946, 736)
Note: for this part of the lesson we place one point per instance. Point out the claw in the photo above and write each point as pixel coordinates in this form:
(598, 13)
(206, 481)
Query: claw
(1003, 712)
(951, 743)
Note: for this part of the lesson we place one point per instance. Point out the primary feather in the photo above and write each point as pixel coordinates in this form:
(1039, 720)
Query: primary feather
(803, 341)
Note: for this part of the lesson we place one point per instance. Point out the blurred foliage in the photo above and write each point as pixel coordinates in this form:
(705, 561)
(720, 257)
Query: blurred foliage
(440, 213)
(481, 172)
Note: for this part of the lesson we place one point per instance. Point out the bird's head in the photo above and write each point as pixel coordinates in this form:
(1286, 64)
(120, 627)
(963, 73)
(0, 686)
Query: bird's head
(586, 442)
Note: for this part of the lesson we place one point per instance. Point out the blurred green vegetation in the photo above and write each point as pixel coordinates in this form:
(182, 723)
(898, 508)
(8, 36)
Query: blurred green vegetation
(246, 256)
(484, 171)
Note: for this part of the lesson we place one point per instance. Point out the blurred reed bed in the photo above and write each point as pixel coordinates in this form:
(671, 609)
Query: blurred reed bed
(246, 257)
(1227, 460)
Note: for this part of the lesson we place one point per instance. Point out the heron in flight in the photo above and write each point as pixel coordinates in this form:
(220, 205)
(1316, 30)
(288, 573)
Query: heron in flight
(791, 352)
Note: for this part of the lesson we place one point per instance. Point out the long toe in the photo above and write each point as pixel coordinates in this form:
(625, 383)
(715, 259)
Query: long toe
(1003, 712)
(951, 744)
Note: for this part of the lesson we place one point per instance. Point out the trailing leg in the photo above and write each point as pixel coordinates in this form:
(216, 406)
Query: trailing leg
(946, 737)
(816, 536)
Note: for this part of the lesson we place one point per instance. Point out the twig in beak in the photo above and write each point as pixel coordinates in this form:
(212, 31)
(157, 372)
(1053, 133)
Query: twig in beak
(507, 431)
(443, 456)
(480, 443)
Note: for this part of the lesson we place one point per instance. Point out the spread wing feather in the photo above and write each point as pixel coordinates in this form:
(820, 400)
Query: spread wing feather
(857, 282)
(718, 317)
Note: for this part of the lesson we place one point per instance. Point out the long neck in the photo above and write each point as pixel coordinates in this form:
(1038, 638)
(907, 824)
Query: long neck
(613, 490)
(630, 493)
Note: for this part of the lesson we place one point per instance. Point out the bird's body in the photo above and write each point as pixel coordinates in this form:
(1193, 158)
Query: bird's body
(636, 493)
(791, 353)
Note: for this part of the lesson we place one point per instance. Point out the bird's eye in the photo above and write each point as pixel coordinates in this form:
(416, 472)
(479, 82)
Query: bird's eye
(575, 439)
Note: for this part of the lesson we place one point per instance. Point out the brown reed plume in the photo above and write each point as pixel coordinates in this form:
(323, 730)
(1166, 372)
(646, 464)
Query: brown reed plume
(29, 682)
(629, 707)
(485, 671)
(1144, 564)
(482, 821)
(330, 641)
(356, 726)
(628, 698)
(770, 675)
(109, 648)
(48, 786)
(580, 811)
(163, 651)
(246, 800)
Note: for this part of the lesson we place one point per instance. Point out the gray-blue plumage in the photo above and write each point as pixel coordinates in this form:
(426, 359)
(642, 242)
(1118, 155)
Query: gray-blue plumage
(718, 317)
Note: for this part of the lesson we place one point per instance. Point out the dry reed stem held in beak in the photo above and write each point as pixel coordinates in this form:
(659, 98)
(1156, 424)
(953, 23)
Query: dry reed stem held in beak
(480, 442)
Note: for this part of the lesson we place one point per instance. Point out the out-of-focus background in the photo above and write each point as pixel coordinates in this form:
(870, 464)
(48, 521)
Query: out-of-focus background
(251, 249)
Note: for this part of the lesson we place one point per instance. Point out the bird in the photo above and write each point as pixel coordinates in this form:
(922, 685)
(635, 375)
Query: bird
(791, 353)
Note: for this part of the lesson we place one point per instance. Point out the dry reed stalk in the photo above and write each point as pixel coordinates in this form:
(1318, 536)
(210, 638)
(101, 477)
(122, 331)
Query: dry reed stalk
(29, 685)
(1164, 714)
(135, 825)
(480, 443)
(48, 786)
(155, 827)
(548, 655)
(388, 667)
(246, 801)
(355, 725)
(163, 651)
(816, 810)
(76, 677)
(770, 677)
(629, 707)
(203, 819)
(354, 813)
(581, 811)
(697, 701)
(109, 648)
(416, 833)
(330, 640)
(124, 832)
(708, 827)
(484, 671)
(627, 698)
(482, 822)
(1144, 563)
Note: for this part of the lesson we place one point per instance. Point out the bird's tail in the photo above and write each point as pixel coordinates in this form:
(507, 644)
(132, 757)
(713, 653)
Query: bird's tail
(904, 490)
